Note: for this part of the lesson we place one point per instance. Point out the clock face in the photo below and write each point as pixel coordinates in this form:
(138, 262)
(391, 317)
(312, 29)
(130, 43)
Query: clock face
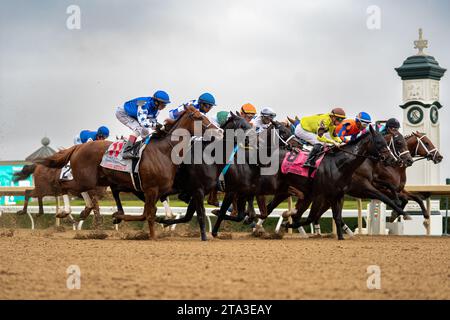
(434, 114)
(415, 115)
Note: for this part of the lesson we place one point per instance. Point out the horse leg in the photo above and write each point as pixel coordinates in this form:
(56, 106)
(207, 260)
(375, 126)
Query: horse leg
(98, 220)
(240, 209)
(390, 188)
(89, 205)
(301, 206)
(41, 207)
(167, 208)
(277, 199)
(116, 194)
(25, 204)
(417, 199)
(67, 210)
(186, 218)
(150, 211)
(336, 207)
(251, 214)
(316, 211)
(198, 198)
(372, 193)
(227, 200)
(212, 199)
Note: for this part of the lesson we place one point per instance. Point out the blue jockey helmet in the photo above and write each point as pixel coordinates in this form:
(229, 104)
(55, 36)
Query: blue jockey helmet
(207, 98)
(363, 117)
(161, 96)
(103, 131)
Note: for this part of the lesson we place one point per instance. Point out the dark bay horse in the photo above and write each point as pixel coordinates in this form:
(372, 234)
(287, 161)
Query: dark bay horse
(332, 179)
(47, 182)
(199, 179)
(363, 182)
(420, 147)
(157, 168)
(196, 180)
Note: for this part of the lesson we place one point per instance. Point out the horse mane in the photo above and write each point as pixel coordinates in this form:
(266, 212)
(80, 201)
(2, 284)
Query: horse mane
(358, 139)
(169, 123)
(412, 134)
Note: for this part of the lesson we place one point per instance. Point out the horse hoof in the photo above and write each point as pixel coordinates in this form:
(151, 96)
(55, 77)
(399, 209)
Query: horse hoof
(21, 212)
(159, 220)
(285, 214)
(341, 238)
(214, 234)
(116, 221)
(62, 215)
(407, 217)
(215, 212)
(203, 237)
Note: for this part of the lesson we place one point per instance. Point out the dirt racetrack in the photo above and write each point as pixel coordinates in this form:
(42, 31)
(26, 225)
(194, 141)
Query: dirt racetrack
(33, 266)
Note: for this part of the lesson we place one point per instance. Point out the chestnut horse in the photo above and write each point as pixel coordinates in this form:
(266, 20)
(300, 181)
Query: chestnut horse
(157, 170)
(47, 182)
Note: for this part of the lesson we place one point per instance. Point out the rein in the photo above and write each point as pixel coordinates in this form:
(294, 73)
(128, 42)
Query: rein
(432, 152)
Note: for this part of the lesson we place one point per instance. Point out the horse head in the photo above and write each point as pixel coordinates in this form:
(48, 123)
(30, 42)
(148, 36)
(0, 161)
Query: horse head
(421, 146)
(285, 135)
(379, 149)
(399, 149)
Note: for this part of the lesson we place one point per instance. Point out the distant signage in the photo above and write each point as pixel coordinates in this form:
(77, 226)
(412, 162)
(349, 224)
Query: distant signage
(6, 180)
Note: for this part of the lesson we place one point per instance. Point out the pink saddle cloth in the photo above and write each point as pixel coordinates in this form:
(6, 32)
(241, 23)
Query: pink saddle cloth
(293, 163)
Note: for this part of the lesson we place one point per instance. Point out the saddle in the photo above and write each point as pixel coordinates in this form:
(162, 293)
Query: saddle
(293, 163)
(112, 159)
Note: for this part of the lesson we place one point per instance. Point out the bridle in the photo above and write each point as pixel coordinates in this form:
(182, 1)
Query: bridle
(285, 142)
(393, 150)
(431, 154)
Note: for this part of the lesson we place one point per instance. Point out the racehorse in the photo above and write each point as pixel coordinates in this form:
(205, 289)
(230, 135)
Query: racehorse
(420, 147)
(195, 181)
(157, 170)
(199, 179)
(333, 177)
(362, 183)
(47, 182)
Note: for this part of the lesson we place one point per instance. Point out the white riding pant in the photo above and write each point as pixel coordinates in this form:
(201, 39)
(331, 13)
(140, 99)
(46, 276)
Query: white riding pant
(132, 123)
(306, 135)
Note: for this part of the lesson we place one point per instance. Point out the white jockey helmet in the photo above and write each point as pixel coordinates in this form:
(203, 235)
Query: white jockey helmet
(268, 112)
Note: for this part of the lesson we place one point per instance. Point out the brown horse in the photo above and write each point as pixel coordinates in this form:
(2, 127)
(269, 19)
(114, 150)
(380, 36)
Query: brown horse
(47, 182)
(157, 170)
(382, 182)
(420, 147)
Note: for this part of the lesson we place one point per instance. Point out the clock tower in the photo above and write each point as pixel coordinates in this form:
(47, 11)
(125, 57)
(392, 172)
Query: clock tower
(420, 75)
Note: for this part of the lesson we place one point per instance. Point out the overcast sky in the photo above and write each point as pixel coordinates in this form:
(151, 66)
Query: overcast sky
(299, 57)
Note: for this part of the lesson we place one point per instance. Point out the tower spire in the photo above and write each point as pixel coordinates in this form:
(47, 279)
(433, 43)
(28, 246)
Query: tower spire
(420, 44)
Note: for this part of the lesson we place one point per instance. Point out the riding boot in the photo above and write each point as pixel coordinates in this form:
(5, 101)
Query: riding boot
(130, 150)
(311, 161)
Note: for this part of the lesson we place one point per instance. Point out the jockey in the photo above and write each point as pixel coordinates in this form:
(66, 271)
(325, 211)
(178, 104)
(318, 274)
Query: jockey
(140, 116)
(263, 121)
(350, 129)
(101, 134)
(248, 112)
(319, 130)
(204, 104)
(391, 127)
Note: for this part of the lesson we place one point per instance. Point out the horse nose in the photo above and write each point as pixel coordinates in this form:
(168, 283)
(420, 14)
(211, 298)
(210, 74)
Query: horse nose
(439, 158)
(409, 162)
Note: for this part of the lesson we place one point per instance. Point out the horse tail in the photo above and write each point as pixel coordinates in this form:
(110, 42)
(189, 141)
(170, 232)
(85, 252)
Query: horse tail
(26, 171)
(59, 159)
